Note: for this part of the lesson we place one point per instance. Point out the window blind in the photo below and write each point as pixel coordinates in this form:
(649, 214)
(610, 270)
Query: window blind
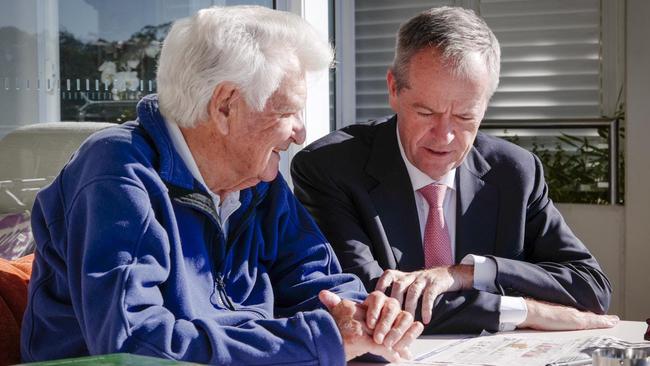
(550, 58)
(550, 62)
(376, 24)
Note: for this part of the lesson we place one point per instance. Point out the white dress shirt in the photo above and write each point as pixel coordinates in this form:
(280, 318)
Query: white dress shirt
(231, 202)
(513, 310)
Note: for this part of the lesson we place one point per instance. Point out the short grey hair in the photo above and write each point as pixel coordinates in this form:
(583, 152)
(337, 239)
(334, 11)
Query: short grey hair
(457, 33)
(250, 46)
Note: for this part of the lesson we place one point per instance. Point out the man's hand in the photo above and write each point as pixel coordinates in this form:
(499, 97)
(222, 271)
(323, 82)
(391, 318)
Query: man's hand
(377, 326)
(428, 284)
(547, 316)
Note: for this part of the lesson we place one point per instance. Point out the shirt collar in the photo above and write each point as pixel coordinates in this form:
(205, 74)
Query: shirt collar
(418, 178)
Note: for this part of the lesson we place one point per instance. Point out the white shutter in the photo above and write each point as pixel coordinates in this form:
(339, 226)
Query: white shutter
(376, 24)
(550, 58)
(550, 65)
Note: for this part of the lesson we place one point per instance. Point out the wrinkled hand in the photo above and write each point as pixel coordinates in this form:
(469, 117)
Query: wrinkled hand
(548, 316)
(428, 284)
(377, 326)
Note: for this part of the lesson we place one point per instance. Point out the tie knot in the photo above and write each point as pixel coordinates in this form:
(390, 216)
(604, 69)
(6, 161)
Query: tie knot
(434, 194)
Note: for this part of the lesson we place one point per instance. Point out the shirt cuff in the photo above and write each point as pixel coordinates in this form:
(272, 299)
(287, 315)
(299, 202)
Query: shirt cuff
(485, 272)
(512, 312)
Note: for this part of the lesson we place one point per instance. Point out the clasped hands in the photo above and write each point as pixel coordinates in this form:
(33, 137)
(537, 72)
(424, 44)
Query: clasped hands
(377, 326)
(409, 287)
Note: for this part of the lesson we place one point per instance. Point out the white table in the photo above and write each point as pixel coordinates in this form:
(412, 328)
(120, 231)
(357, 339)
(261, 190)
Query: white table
(626, 330)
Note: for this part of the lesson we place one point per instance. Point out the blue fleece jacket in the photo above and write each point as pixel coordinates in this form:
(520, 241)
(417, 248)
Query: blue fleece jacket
(130, 258)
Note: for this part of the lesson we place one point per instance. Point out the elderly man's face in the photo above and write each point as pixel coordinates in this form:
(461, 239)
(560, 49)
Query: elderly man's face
(256, 138)
(438, 113)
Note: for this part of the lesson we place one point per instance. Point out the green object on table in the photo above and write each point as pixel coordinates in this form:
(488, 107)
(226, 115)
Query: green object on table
(121, 359)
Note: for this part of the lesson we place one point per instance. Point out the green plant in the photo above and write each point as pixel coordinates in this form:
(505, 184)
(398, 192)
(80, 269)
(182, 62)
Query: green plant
(577, 169)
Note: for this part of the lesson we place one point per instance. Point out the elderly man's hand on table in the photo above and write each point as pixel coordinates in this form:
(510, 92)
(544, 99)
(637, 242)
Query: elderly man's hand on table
(548, 316)
(378, 326)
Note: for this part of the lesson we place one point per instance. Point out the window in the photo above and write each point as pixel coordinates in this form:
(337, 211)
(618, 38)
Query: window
(559, 93)
(83, 60)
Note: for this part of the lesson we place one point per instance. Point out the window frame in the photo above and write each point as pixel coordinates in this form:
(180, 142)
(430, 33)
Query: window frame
(316, 114)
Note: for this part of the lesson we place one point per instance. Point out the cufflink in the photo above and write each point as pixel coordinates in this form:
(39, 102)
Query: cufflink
(647, 332)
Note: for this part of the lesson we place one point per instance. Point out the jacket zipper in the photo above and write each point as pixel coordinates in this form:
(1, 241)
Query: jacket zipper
(219, 283)
(221, 289)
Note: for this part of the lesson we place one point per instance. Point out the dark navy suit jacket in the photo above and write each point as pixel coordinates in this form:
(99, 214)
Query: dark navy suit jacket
(355, 184)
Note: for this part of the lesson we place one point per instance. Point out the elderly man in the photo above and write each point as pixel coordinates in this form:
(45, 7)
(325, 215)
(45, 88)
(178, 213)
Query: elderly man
(422, 204)
(173, 236)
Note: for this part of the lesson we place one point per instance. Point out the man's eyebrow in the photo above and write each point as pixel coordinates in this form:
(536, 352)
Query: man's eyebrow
(420, 105)
(286, 110)
(290, 107)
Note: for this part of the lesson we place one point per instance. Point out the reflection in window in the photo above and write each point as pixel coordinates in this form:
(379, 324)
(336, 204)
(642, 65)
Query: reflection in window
(83, 60)
(103, 79)
(108, 57)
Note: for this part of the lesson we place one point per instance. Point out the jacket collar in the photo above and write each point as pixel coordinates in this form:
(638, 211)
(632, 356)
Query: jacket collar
(477, 207)
(393, 198)
(171, 169)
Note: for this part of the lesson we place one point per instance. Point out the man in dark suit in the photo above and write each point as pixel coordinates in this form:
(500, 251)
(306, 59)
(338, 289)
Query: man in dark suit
(423, 205)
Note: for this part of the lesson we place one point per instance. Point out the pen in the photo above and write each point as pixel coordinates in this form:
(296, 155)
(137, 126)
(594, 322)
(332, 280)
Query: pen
(580, 362)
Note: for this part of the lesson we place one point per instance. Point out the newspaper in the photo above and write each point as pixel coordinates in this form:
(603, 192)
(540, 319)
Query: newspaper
(497, 350)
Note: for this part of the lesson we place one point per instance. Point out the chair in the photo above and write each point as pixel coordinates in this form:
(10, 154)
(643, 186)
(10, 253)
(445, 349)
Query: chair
(30, 158)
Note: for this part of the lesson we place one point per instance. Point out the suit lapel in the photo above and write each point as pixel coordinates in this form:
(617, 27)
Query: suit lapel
(476, 208)
(394, 200)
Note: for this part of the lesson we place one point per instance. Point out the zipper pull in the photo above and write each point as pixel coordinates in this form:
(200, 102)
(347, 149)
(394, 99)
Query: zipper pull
(222, 291)
(219, 281)
(217, 295)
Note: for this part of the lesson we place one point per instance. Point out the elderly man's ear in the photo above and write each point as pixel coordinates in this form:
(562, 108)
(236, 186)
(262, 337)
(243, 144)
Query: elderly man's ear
(222, 105)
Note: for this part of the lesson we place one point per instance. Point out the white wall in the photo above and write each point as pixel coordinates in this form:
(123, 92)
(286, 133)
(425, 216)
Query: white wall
(602, 229)
(637, 165)
(619, 236)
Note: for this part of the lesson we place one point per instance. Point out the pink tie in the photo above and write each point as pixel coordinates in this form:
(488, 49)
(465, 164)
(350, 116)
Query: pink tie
(437, 246)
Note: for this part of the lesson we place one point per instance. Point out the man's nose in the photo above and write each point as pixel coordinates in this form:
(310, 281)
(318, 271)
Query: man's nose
(442, 128)
(299, 132)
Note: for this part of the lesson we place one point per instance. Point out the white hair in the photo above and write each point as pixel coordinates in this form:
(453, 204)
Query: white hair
(250, 46)
(458, 34)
